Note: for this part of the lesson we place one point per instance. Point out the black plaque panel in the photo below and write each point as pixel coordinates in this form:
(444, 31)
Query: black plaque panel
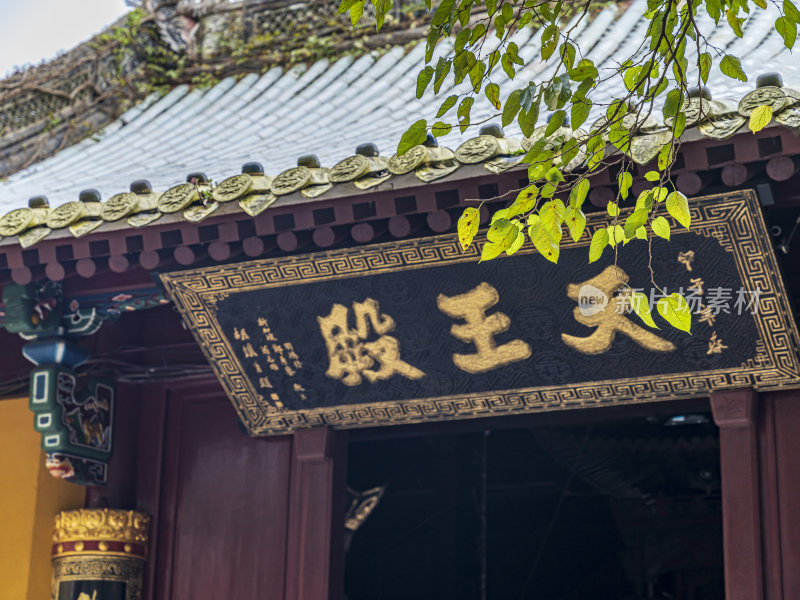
(272, 329)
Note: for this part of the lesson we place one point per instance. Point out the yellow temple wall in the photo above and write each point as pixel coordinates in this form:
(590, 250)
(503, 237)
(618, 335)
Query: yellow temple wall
(29, 499)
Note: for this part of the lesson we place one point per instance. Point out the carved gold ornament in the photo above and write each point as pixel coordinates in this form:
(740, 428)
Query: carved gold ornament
(232, 188)
(400, 165)
(81, 228)
(101, 524)
(32, 236)
(255, 204)
(178, 197)
(478, 149)
(143, 218)
(17, 221)
(722, 126)
(119, 206)
(291, 181)
(199, 212)
(789, 117)
(770, 95)
(66, 214)
(349, 169)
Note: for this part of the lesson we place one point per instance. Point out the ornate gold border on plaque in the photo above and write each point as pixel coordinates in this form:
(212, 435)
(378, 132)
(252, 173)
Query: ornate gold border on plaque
(733, 219)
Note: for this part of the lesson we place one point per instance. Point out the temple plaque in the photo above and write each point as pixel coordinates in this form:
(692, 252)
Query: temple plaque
(417, 330)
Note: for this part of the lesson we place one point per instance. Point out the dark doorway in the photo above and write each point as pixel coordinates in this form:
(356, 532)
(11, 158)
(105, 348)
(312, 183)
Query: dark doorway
(624, 510)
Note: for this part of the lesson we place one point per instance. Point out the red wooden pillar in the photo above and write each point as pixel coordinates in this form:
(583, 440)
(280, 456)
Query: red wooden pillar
(735, 412)
(315, 539)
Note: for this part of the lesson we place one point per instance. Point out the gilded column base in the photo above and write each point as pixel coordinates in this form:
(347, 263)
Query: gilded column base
(99, 554)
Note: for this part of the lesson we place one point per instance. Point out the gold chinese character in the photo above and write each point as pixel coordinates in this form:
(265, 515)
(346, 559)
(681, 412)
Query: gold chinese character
(258, 367)
(706, 316)
(715, 345)
(480, 330)
(697, 285)
(686, 258)
(240, 334)
(264, 382)
(249, 351)
(595, 309)
(351, 356)
(262, 322)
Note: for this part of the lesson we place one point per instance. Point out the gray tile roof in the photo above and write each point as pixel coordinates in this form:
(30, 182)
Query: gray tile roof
(329, 107)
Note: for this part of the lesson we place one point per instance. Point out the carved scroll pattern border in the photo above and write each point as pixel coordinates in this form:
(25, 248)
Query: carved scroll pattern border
(734, 219)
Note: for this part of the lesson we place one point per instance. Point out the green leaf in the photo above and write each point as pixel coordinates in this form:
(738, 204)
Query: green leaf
(704, 63)
(544, 241)
(490, 251)
(576, 222)
(625, 180)
(513, 52)
(659, 193)
(585, 70)
(788, 30)
(344, 6)
(503, 233)
(666, 156)
(492, 92)
(508, 66)
(791, 12)
(567, 53)
(635, 220)
(678, 207)
(578, 193)
(548, 189)
(580, 112)
(660, 227)
(732, 67)
(554, 175)
(527, 119)
(508, 12)
(735, 21)
(613, 209)
(549, 41)
(442, 69)
(652, 176)
(476, 75)
(760, 118)
(675, 309)
(615, 234)
(555, 122)
(511, 107)
(356, 10)
(449, 103)
(517, 243)
(525, 200)
(463, 112)
(598, 244)
(414, 136)
(640, 304)
(477, 32)
(468, 226)
(440, 128)
(443, 12)
(462, 39)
